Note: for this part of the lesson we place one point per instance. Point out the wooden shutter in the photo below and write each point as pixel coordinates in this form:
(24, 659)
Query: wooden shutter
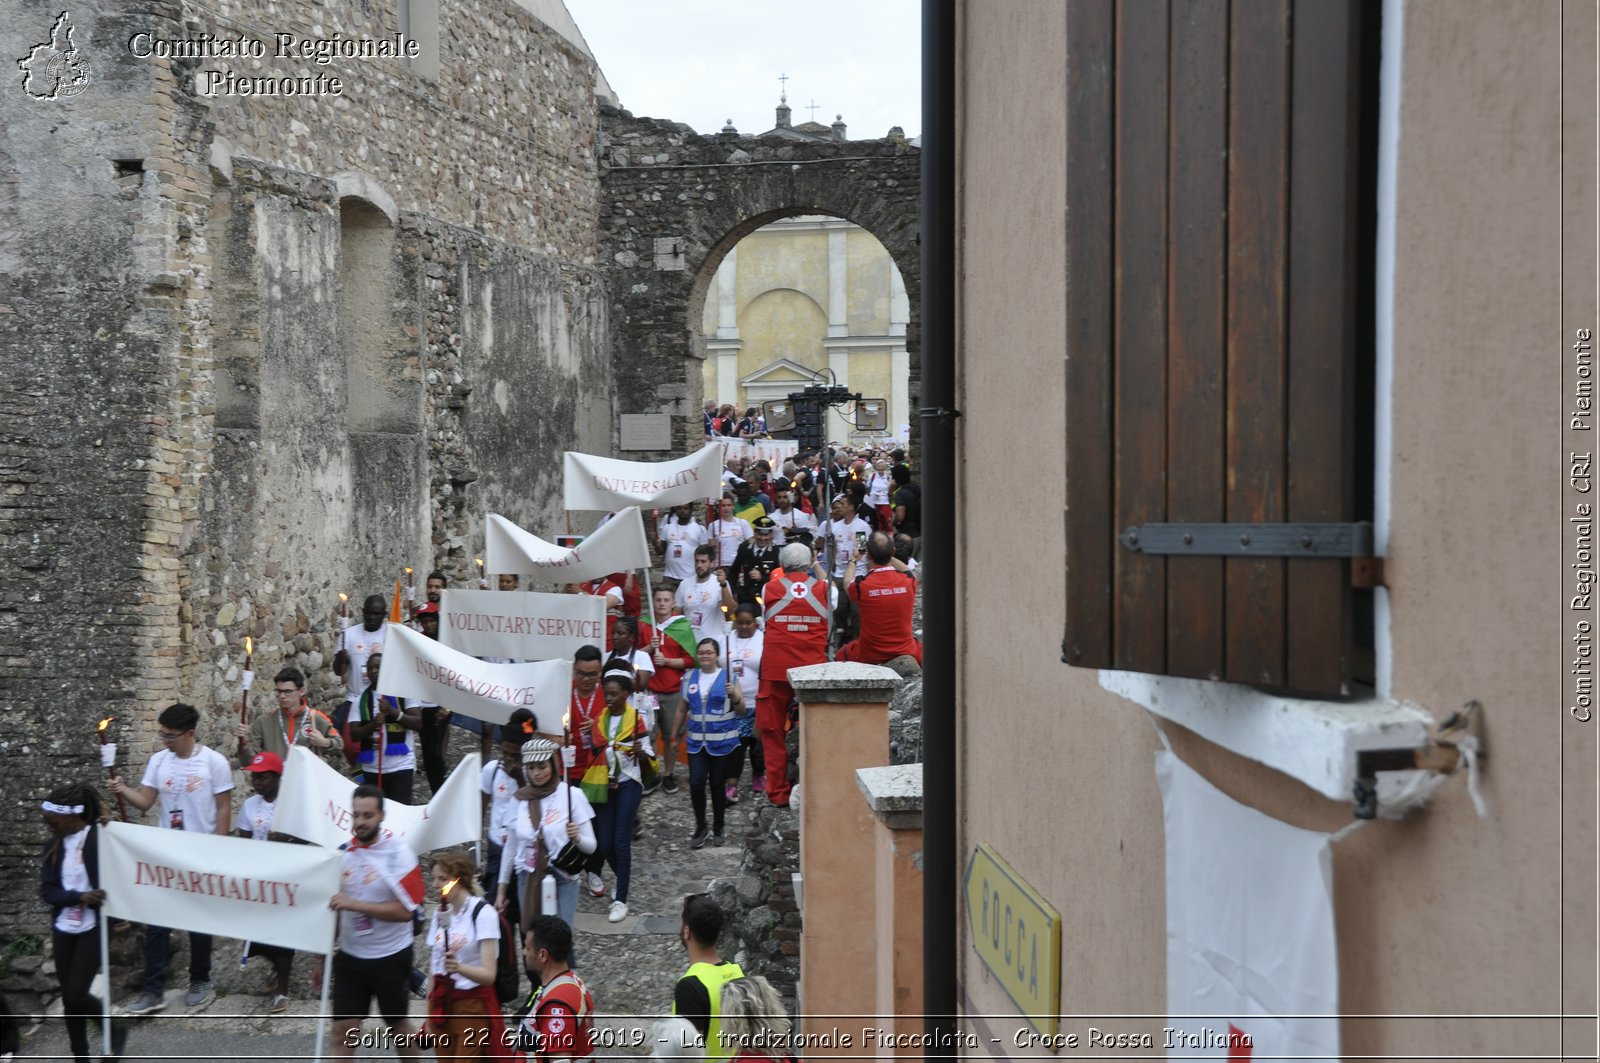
(1213, 160)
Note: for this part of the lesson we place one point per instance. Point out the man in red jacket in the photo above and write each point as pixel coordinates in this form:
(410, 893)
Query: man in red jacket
(796, 609)
(884, 598)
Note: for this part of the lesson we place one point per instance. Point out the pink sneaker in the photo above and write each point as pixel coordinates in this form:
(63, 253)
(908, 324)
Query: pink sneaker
(732, 793)
(759, 784)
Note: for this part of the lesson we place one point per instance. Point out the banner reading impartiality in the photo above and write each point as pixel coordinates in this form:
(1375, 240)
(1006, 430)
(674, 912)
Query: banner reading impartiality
(593, 482)
(269, 892)
(1250, 933)
(616, 546)
(314, 804)
(524, 625)
(415, 666)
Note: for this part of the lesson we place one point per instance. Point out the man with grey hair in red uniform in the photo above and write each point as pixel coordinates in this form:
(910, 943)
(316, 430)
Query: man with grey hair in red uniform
(796, 606)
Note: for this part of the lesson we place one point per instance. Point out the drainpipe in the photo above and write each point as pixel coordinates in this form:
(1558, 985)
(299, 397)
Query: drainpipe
(938, 474)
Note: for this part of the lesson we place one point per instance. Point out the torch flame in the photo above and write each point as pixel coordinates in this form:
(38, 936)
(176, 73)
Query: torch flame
(248, 646)
(408, 570)
(444, 891)
(479, 560)
(343, 597)
(104, 722)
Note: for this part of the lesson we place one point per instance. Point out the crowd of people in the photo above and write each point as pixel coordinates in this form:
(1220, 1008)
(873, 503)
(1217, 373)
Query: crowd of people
(750, 586)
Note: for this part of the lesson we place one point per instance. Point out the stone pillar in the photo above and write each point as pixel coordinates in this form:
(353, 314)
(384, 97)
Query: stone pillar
(844, 725)
(895, 796)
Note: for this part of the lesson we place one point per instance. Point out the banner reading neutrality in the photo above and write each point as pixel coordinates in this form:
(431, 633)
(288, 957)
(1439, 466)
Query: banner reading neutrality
(314, 804)
(524, 625)
(593, 482)
(270, 892)
(415, 666)
(616, 546)
(1250, 934)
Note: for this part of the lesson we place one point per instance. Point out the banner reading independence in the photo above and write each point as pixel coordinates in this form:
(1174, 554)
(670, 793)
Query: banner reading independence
(616, 546)
(593, 482)
(415, 666)
(314, 804)
(1250, 932)
(525, 625)
(270, 892)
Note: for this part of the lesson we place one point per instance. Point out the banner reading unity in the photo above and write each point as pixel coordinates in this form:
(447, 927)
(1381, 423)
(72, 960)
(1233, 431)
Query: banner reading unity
(593, 482)
(525, 625)
(616, 546)
(415, 666)
(1252, 956)
(314, 805)
(273, 893)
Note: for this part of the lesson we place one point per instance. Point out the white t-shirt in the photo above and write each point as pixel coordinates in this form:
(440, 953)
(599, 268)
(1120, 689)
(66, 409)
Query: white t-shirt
(878, 489)
(728, 534)
(744, 658)
(681, 539)
(188, 787)
(701, 602)
(467, 936)
(519, 855)
(843, 536)
(500, 787)
(359, 644)
(255, 816)
(75, 918)
(795, 518)
(376, 873)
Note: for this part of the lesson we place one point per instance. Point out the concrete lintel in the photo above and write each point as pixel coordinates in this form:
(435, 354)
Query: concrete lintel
(365, 187)
(1313, 741)
(843, 682)
(894, 793)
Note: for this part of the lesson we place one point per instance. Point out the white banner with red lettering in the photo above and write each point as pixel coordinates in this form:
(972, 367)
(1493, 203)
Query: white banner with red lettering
(773, 451)
(417, 667)
(525, 625)
(271, 892)
(616, 546)
(1250, 931)
(593, 482)
(314, 804)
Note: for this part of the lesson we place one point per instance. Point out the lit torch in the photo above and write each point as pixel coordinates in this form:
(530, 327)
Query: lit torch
(344, 610)
(244, 695)
(111, 770)
(482, 579)
(444, 910)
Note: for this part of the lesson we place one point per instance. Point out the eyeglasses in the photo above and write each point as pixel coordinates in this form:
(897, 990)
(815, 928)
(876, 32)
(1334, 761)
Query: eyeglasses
(169, 736)
(290, 691)
(581, 674)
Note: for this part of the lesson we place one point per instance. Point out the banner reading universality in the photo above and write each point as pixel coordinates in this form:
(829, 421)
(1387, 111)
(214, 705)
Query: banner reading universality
(523, 625)
(616, 546)
(593, 482)
(1250, 935)
(415, 666)
(269, 892)
(314, 805)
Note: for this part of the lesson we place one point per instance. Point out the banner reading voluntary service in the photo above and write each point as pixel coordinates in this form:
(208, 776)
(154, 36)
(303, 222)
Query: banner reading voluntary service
(314, 804)
(1250, 934)
(593, 482)
(616, 546)
(415, 666)
(525, 625)
(269, 892)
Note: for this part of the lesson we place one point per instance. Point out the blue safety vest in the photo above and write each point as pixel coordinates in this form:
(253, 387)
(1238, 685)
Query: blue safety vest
(713, 726)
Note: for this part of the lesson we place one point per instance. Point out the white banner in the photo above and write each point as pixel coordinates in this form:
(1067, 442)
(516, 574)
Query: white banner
(1250, 933)
(415, 666)
(271, 892)
(314, 803)
(593, 482)
(774, 451)
(525, 625)
(616, 546)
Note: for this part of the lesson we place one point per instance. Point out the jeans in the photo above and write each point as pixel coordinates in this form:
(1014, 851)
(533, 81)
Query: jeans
(157, 951)
(701, 766)
(613, 829)
(566, 906)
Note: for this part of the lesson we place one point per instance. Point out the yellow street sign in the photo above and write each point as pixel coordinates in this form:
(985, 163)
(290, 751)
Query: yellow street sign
(1016, 935)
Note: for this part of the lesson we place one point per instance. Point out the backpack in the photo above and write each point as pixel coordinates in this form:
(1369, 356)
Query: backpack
(507, 979)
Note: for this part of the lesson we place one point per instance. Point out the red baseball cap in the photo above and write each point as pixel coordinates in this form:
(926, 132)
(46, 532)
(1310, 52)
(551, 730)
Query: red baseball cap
(427, 607)
(266, 762)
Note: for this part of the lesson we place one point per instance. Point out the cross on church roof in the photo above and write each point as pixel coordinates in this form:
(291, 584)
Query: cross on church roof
(812, 107)
(783, 88)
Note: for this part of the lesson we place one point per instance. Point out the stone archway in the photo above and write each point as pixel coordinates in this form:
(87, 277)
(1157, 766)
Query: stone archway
(674, 202)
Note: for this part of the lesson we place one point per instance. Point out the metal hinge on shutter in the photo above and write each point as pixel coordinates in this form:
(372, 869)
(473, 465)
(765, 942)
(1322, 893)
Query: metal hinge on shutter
(1307, 540)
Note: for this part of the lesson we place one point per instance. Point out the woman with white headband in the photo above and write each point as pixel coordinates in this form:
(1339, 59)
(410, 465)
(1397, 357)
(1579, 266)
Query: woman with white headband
(563, 815)
(69, 884)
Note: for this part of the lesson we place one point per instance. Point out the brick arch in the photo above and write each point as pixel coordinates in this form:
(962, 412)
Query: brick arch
(674, 202)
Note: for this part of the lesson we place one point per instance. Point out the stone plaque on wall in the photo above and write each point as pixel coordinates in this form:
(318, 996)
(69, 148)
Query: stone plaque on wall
(647, 431)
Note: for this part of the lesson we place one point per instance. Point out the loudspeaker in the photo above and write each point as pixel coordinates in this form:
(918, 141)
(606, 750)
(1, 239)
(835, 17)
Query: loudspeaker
(779, 414)
(872, 415)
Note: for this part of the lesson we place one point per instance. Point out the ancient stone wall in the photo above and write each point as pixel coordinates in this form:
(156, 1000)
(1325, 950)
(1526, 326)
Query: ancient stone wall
(674, 202)
(265, 351)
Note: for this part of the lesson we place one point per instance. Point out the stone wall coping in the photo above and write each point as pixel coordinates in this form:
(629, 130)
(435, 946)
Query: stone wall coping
(844, 682)
(893, 792)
